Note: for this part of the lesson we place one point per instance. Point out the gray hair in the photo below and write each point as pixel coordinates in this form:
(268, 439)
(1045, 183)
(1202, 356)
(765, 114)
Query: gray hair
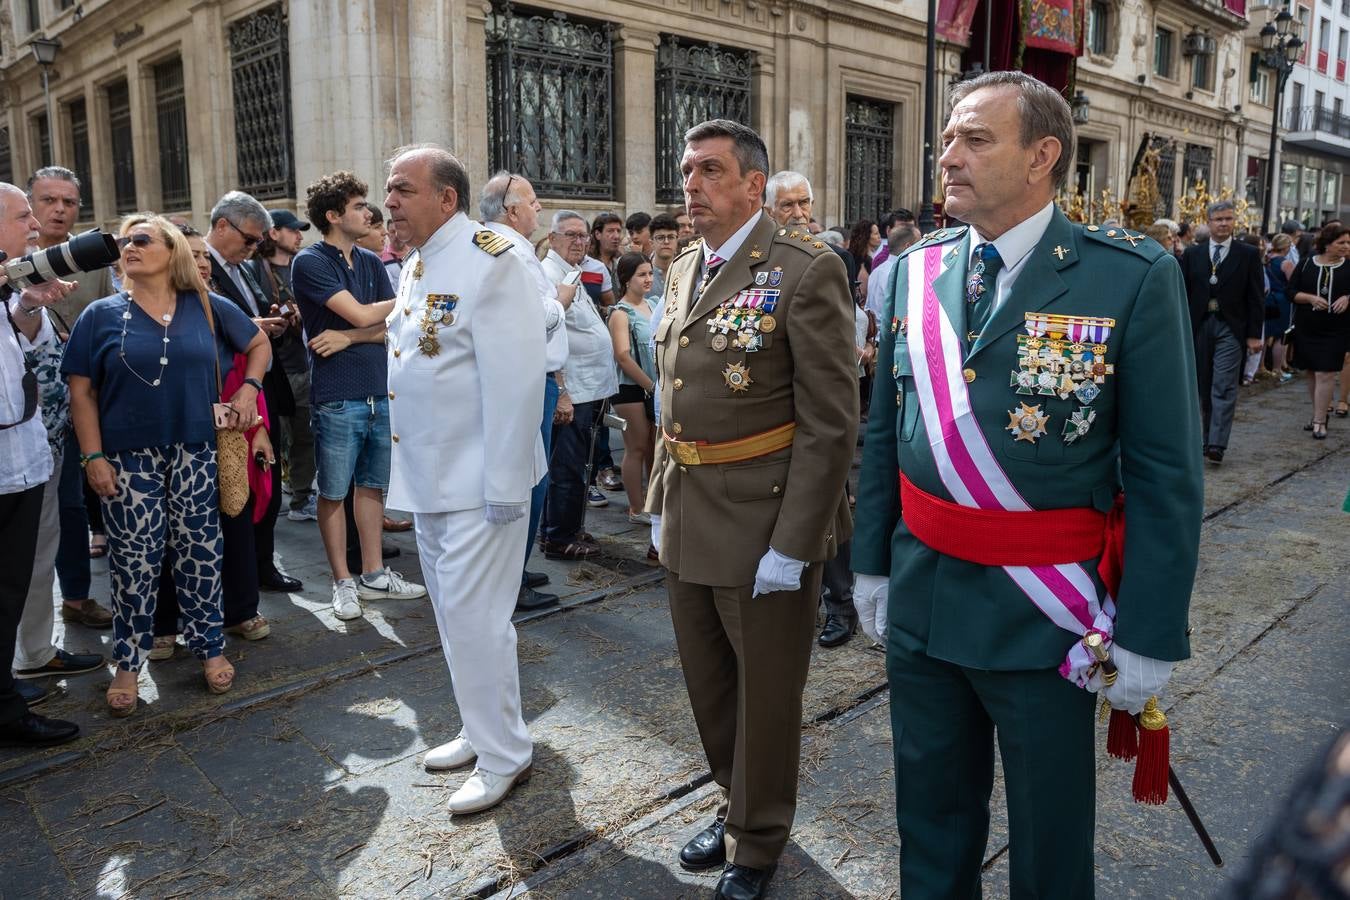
(1043, 111)
(564, 215)
(446, 170)
(238, 207)
(1172, 226)
(492, 202)
(832, 237)
(1219, 206)
(749, 149)
(59, 173)
(779, 181)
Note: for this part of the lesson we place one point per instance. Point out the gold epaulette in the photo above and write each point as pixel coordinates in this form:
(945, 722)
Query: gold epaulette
(491, 242)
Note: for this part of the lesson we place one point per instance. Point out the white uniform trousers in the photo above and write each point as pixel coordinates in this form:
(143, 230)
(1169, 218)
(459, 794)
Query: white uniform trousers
(34, 648)
(472, 571)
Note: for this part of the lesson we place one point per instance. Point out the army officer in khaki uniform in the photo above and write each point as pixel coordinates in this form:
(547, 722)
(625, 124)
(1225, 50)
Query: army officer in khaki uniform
(759, 416)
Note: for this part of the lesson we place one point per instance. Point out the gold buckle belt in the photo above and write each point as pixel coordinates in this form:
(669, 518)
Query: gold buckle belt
(702, 453)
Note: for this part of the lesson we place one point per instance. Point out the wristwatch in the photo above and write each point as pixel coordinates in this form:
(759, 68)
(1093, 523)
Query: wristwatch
(255, 383)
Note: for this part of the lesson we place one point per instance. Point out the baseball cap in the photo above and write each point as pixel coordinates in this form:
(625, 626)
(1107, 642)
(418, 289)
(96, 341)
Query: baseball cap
(284, 218)
(1291, 227)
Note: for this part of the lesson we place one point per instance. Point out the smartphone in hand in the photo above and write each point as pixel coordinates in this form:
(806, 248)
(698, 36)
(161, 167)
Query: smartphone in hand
(222, 413)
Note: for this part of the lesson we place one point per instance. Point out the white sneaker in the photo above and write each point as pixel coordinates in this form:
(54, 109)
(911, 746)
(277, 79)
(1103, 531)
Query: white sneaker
(484, 790)
(346, 606)
(307, 513)
(388, 585)
(455, 755)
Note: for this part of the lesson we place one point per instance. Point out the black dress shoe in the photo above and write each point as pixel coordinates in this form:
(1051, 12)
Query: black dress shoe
(32, 694)
(743, 883)
(275, 581)
(32, 730)
(706, 849)
(535, 579)
(528, 600)
(1214, 454)
(837, 630)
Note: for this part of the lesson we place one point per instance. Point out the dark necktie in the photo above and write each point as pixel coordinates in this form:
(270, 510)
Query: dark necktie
(710, 267)
(982, 286)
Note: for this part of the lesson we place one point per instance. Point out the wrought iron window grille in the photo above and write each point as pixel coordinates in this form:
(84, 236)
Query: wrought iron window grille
(869, 157)
(123, 154)
(260, 65)
(551, 100)
(695, 82)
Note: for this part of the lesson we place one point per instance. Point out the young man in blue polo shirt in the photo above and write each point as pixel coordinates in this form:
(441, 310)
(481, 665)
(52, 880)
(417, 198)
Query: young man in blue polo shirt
(344, 297)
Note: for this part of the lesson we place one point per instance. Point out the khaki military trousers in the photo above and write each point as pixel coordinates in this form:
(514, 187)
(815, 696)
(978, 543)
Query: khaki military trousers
(745, 661)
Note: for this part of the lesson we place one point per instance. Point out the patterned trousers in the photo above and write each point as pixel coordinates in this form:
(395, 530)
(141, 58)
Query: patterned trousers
(166, 496)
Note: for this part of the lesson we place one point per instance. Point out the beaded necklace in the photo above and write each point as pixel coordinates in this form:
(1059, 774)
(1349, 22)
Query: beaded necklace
(122, 347)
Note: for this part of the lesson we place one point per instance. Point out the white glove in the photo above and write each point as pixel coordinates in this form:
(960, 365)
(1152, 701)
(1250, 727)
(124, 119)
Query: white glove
(777, 573)
(1137, 679)
(870, 593)
(656, 532)
(504, 513)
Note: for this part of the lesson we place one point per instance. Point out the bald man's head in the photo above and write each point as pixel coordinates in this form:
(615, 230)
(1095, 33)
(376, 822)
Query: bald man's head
(427, 187)
(18, 226)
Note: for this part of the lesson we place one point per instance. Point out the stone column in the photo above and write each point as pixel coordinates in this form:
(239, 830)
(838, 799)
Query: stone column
(634, 121)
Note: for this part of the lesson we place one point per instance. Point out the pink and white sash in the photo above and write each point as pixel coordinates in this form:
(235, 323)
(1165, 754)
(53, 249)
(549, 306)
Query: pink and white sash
(968, 468)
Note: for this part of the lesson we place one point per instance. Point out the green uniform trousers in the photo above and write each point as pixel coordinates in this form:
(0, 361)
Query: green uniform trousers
(745, 661)
(943, 718)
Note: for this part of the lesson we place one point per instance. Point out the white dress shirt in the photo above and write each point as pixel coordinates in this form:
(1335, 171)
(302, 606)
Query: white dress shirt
(555, 330)
(590, 372)
(238, 278)
(878, 284)
(1224, 247)
(733, 243)
(1014, 248)
(25, 458)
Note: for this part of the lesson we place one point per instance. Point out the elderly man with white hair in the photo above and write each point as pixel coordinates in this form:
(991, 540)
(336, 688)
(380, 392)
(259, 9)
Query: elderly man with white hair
(509, 208)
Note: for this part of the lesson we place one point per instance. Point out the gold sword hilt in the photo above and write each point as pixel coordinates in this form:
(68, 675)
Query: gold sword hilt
(1097, 647)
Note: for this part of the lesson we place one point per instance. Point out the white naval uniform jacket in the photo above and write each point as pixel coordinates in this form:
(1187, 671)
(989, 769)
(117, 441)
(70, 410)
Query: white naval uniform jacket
(465, 421)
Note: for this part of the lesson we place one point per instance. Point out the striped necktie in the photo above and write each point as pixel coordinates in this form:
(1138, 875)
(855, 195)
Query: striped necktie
(982, 285)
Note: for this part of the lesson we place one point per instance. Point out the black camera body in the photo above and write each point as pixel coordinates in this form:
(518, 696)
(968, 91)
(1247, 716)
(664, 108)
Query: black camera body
(85, 252)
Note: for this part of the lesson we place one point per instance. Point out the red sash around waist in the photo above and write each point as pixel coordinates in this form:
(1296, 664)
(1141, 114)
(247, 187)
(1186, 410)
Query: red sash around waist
(995, 537)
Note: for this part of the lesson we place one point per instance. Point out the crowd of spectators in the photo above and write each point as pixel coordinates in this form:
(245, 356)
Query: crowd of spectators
(286, 339)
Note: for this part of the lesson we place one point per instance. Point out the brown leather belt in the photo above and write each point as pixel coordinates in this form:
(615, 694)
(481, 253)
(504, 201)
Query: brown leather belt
(703, 453)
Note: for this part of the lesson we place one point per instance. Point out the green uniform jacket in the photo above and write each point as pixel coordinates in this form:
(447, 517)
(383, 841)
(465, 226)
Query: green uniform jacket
(1145, 438)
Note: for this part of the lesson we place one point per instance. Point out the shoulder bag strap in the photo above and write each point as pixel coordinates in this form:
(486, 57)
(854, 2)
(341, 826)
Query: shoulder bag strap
(215, 351)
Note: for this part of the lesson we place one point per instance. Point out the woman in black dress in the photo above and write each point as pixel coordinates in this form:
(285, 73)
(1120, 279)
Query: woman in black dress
(1321, 286)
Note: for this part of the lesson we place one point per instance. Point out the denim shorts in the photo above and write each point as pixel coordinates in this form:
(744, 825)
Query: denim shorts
(351, 441)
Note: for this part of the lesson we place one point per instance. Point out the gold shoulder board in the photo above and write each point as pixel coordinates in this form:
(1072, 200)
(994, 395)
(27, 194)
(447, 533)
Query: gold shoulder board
(491, 242)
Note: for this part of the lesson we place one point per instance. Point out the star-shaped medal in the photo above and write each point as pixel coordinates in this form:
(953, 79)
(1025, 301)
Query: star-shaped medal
(1027, 423)
(1078, 424)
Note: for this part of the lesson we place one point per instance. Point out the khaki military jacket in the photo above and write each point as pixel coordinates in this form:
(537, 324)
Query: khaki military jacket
(719, 520)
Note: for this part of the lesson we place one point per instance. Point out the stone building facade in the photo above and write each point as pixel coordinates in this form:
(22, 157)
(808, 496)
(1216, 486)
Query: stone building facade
(167, 105)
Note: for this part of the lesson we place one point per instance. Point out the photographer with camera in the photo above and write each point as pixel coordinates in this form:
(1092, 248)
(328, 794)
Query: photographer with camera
(25, 467)
(54, 193)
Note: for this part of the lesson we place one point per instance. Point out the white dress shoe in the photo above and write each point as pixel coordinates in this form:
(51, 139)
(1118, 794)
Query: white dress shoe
(455, 755)
(484, 790)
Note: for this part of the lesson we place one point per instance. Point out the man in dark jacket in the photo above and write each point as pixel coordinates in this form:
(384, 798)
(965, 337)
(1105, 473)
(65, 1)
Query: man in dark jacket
(1227, 303)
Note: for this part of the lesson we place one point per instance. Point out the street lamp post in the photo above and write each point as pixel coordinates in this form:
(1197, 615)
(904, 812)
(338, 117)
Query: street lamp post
(1280, 50)
(44, 52)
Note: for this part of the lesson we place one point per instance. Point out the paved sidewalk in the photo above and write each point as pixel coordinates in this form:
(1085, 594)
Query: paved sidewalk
(306, 782)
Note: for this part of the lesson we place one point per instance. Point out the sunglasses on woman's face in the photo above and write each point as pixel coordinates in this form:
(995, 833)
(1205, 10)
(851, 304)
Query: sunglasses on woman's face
(140, 239)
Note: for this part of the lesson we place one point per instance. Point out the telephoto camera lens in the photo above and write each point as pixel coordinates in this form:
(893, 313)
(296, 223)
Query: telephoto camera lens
(83, 253)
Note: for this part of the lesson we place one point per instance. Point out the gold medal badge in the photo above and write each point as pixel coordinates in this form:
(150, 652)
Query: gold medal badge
(1027, 423)
(737, 377)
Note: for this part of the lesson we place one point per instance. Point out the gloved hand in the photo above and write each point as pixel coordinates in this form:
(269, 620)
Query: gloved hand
(656, 532)
(777, 573)
(870, 593)
(504, 513)
(1137, 679)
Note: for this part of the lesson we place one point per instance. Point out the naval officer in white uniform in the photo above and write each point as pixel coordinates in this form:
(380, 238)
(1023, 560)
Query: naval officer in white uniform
(466, 358)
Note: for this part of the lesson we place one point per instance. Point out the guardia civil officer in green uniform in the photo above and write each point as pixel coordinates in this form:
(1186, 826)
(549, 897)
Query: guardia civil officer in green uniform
(1039, 369)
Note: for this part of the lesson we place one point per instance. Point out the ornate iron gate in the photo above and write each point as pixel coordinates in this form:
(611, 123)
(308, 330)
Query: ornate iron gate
(550, 100)
(869, 141)
(171, 113)
(1199, 167)
(260, 61)
(694, 82)
(123, 158)
(1167, 174)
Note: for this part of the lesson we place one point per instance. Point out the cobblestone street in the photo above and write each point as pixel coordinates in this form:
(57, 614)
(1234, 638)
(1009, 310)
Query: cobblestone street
(305, 781)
